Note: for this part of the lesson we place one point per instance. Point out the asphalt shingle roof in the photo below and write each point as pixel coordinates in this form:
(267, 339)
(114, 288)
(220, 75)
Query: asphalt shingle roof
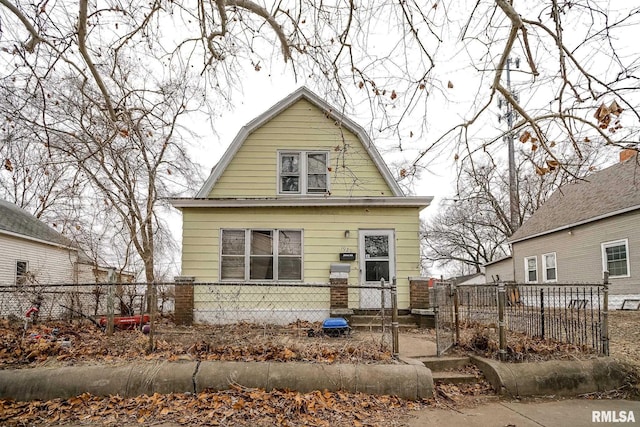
(613, 190)
(16, 220)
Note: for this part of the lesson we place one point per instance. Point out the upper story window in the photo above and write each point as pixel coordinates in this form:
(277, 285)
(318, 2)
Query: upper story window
(549, 268)
(531, 269)
(615, 258)
(303, 172)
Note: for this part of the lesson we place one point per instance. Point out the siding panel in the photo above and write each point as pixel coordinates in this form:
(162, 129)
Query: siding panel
(253, 171)
(323, 238)
(579, 254)
(49, 264)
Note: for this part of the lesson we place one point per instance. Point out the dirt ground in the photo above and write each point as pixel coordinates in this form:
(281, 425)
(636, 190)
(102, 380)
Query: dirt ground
(624, 336)
(624, 343)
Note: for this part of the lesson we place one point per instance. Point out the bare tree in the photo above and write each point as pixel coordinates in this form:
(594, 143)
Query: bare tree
(383, 54)
(130, 166)
(473, 228)
(110, 67)
(36, 180)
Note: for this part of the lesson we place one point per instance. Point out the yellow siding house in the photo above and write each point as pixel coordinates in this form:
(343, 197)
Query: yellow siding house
(300, 193)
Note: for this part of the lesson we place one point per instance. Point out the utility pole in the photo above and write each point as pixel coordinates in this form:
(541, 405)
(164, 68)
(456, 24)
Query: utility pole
(514, 202)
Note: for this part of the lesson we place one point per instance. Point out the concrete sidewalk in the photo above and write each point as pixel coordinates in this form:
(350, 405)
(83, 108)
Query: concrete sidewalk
(534, 413)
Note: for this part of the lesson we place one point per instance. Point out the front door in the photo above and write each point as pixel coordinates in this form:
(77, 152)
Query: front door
(377, 262)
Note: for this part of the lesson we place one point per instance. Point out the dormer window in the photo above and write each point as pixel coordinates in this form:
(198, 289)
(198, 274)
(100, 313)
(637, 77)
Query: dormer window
(303, 172)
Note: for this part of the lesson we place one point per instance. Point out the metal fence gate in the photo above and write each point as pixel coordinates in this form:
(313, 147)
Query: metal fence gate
(443, 297)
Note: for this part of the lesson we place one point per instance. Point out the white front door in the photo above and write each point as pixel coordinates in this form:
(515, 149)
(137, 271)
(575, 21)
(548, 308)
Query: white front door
(377, 262)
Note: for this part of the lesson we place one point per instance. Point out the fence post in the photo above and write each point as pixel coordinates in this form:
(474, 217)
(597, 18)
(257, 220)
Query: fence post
(456, 317)
(501, 324)
(542, 312)
(111, 278)
(436, 323)
(605, 315)
(394, 318)
(382, 304)
(153, 306)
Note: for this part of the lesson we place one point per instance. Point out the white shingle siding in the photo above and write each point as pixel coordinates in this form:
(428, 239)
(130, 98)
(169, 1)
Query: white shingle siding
(48, 263)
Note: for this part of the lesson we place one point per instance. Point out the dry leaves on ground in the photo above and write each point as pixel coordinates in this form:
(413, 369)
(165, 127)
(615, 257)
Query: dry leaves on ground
(235, 407)
(68, 343)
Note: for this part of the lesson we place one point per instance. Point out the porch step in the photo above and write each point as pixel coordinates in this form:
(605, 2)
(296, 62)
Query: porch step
(445, 363)
(451, 377)
(374, 323)
(453, 370)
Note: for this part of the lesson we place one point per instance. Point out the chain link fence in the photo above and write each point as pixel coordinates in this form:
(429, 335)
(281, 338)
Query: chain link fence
(279, 308)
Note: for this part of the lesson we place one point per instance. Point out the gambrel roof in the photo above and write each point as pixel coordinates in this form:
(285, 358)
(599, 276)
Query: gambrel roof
(609, 192)
(18, 222)
(329, 111)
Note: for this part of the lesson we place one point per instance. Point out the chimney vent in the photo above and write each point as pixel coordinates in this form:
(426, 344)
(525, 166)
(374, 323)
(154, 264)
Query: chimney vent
(627, 153)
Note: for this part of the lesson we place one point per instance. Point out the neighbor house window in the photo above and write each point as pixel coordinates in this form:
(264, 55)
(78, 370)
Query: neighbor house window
(531, 269)
(22, 267)
(615, 258)
(303, 172)
(549, 269)
(261, 255)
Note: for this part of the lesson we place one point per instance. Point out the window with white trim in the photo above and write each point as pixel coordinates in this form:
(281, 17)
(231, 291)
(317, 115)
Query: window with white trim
(22, 269)
(303, 172)
(531, 269)
(262, 255)
(615, 258)
(549, 267)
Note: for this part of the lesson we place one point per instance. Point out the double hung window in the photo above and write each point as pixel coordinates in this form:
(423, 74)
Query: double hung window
(549, 268)
(531, 269)
(303, 172)
(615, 258)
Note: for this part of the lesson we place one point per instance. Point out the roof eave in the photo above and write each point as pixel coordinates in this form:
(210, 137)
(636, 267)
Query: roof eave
(576, 224)
(34, 239)
(417, 202)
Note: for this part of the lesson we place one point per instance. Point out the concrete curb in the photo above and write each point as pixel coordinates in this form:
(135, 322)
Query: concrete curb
(555, 377)
(407, 381)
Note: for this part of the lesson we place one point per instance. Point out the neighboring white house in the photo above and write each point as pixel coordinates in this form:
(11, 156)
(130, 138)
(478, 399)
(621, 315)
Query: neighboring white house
(32, 251)
(585, 228)
(469, 279)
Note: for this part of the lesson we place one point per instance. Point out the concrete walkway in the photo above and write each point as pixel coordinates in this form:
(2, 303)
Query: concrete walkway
(572, 412)
(538, 413)
(415, 346)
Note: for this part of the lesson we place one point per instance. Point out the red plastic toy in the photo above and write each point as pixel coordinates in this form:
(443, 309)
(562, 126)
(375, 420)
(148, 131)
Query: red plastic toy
(126, 322)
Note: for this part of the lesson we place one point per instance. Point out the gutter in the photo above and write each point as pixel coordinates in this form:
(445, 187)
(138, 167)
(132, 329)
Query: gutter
(417, 202)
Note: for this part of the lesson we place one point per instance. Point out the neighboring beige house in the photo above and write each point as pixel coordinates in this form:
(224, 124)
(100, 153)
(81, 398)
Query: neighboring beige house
(586, 228)
(300, 191)
(500, 270)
